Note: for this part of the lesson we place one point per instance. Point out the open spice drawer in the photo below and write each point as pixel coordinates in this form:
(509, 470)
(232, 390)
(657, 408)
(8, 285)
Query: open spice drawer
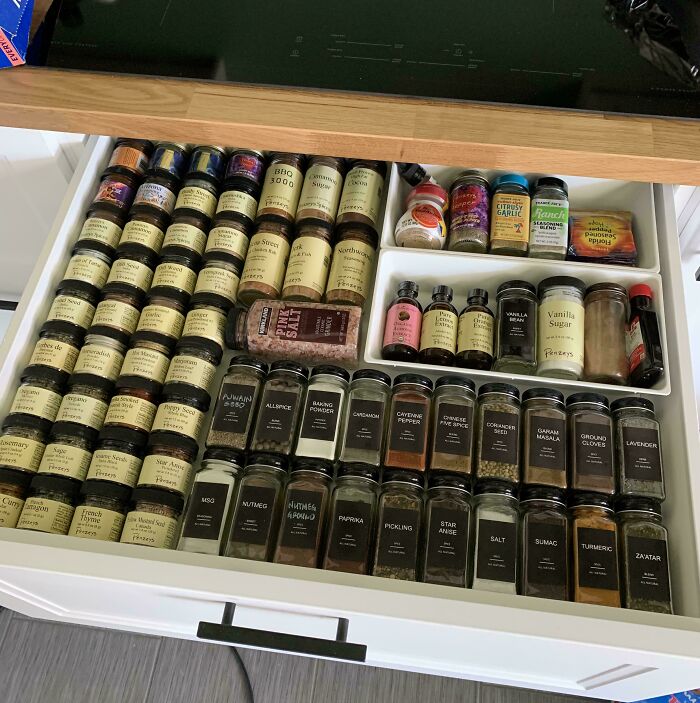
(564, 647)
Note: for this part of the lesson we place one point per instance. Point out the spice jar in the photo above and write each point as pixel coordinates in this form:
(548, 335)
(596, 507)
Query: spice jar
(591, 461)
(217, 284)
(13, 490)
(208, 162)
(87, 271)
(228, 240)
(208, 511)
(133, 407)
(446, 530)
(168, 464)
(205, 326)
(498, 432)
(516, 329)
(143, 235)
(68, 453)
(494, 547)
(549, 219)
(115, 317)
(309, 261)
(245, 166)
(100, 360)
(175, 277)
(156, 195)
(186, 236)
(544, 438)
(304, 511)
(38, 398)
(131, 276)
(351, 519)
(153, 518)
(402, 329)
(475, 332)
(282, 187)
(191, 372)
(144, 367)
(544, 545)
(423, 226)
(510, 216)
(22, 445)
(469, 213)
(320, 194)
(594, 546)
(70, 314)
(49, 506)
(54, 356)
(168, 159)
(280, 408)
(605, 353)
(409, 419)
(365, 418)
(181, 415)
(101, 232)
(84, 408)
(258, 505)
(161, 323)
(438, 336)
(130, 157)
(198, 197)
(644, 556)
(239, 203)
(101, 512)
(352, 262)
(399, 519)
(324, 405)
(362, 194)
(115, 193)
(638, 448)
(118, 456)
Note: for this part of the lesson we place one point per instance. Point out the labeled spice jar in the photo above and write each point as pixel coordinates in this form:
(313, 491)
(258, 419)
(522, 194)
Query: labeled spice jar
(309, 261)
(399, 519)
(245, 166)
(101, 232)
(168, 464)
(157, 195)
(402, 329)
(133, 407)
(438, 336)
(446, 531)
(560, 327)
(516, 328)
(198, 197)
(130, 157)
(452, 425)
(38, 398)
(643, 340)
(362, 194)
(118, 456)
(168, 159)
(144, 367)
(131, 276)
(320, 194)
(423, 225)
(282, 187)
(594, 548)
(101, 511)
(207, 161)
(161, 323)
(181, 415)
(228, 240)
(54, 356)
(544, 438)
(143, 235)
(510, 216)
(115, 193)
(549, 219)
(469, 213)
(13, 491)
(644, 556)
(494, 547)
(83, 408)
(87, 271)
(22, 445)
(280, 408)
(191, 372)
(115, 317)
(365, 418)
(475, 332)
(591, 458)
(605, 353)
(239, 203)
(49, 506)
(638, 448)
(153, 518)
(304, 511)
(498, 432)
(217, 284)
(352, 262)
(544, 543)
(71, 314)
(175, 277)
(186, 236)
(208, 512)
(351, 519)
(100, 360)
(409, 420)
(312, 332)
(205, 326)
(68, 453)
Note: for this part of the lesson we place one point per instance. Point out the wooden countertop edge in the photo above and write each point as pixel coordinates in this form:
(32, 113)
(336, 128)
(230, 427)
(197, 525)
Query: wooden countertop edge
(346, 124)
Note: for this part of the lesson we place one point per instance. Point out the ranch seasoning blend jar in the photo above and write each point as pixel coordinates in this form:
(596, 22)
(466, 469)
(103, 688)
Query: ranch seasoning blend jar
(510, 216)
(549, 219)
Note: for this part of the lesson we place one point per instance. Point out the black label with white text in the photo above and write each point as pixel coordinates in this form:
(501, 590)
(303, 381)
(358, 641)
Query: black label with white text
(499, 437)
(453, 429)
(350, 530)
(593, 449)
(206, 511)
(546, 554)
(641, 455)
(408, 427)
(597, 559)
(233, 408)
(365, 425)
(547, 443)
(254, 515)
(302, 519)
(321, 415)
(496, 551)
(647, 569)
(447, 539)
(398, 538)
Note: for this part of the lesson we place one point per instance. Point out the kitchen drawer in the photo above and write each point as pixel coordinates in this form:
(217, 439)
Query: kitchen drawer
(564, 647)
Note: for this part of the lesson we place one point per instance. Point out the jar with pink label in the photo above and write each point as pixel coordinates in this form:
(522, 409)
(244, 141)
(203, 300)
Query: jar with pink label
(403, 325)
(423, 226)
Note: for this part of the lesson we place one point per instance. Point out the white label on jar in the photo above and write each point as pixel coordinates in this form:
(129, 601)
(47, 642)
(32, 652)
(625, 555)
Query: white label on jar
(281, 191)
(131, 273)
(362, 193)
(560, 333)
(421, 227)
(62, 460)
(156, 318)
(100, 230)
(351, 267)
(45, 515)
(99, 361)
(228, 239)
(209, 324)
(157, 195)
(178, 418)
(114, 313)
(149, 530)
(439, 330)
(143, 233)
(131, 411)
(175, 276)
(238, 201)
(83, 410)
(321, 191)
(57, 355)
(91, 522)
(118, 467)
(41, 402)
(69, 309)
(220, 281)
(146, 363)
(197, 199)
(309, 262)
(88, 269)
(20, 453)
(549, 224)
(166, 472)
(266, 261)
(10, 510)
(186, 236)
(190, 369)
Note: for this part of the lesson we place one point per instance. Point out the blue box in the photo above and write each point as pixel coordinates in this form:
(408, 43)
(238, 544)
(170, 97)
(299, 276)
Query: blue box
(683, 697)
(15, 21)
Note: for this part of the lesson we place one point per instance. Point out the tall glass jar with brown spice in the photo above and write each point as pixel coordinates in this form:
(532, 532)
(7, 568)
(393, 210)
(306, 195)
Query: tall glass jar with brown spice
(352, 264)
(361, 198)
(544, 448)
(320, 194)
(309, 261)
(282, 187)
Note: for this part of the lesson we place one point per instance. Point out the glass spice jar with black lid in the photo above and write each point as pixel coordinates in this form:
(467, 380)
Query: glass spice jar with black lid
(168, 159)
(182, 415)
(87, 271)
(84, 407)
(362, 194)
(129, 157)
(217, 284)
(118, 456)
(54, 356)
(185, 236)
(402, 330)
(320, 194)
(282, 186)
(161, 323)
(175, 277)
(309, 261)
(131, 276)
(13, 491)
(516, 328)
(191, 372)
(115, 317)
(22, 445)
(143, 235)
(68, 453)
(544, 438)
(101, 232)
(153, 518)
(228, 240)
(238, 203)
(156, 195)
(38, 397)
(198, 196)
(352, 263)
(204, 326)
(115, 194)
(245, 167)
(71, 313)
(49, 505)
(133, 407)
(144, 367)
(100, 512)
(100, 360)
(168, 463)
(438, 336)
(207, 161)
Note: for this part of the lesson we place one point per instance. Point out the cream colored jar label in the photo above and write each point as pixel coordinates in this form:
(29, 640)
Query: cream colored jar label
(156, 318)
(197, 199)
(165, 471)
(83, 410)
(182, 419)
(309, 262)
(228, 239)
(237, 201)
(143, 233)
(90, 522)
(62, 460)
(69, 309)
(281, 190)
(475, 332)
(20, 453)
(118, 467)
(149, 530)
(10, 510)
(132, 273)
(190, 369)
(321, 191)
(114, 313)
(266, 261)
(175, 276)
(209, 324)
(351, 267)
(41, 402)
(132, 411)
(88, 269)
(45, 516)
(439, 330)
(100, 230)
(219, 281)
(99, 361)
(57, 355)
(186, 236)
(362, 193)
(560, 331)
(146, 363)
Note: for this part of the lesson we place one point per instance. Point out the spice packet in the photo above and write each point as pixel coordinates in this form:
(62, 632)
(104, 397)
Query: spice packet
(602, 237)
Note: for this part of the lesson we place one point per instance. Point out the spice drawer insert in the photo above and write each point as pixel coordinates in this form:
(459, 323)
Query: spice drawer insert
(564, 647)
(584, 194)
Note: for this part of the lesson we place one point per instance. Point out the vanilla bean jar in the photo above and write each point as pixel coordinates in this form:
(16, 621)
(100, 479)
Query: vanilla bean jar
(153, 518)
(516, 328)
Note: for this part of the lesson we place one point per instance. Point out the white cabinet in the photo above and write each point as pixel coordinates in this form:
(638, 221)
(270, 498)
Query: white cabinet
(564, 647)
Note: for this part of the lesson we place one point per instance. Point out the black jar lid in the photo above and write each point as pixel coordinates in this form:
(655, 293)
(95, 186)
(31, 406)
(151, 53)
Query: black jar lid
(46, 372)
(105, 489)
(492, 486)
(445, 291)
(595, 398)
(293, 366)
(165, 439)
(198, 397)
(410, 286)
(115, 433)
(632, 402)
(543, 394)
(91, 380)
(15, 478)
(373, 375)
(438, 479)
(478, 293)
(63, 327)
(607, 286)
(232, 456)
(331, 370)
(359, 469)
(590, 500)
(561, 282)
(158, 496)
(140, 383)
(251, 361)
(413, 378)
(412, 478)
(30, 422)
(71, 429)
(554, 495)
(635, 504)
(551, 182)
(272, 461)
(455, 381)
(58, 484)
(516, 284)
(317, 466)
(501, 388)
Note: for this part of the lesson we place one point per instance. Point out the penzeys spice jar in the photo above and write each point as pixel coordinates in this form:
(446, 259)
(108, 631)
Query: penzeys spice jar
(191, 372)
(153, 518)
(544, 438)
(38, 398)
(71, 312)
(167, 464)
(350, 275)
(309, 261)
(143, 235)
(182, 416)
(282, 187)
(22, 445)
(320, 194)
(217, 284)
(133, 407)
(101, 511)
(13, 491)
(161, 323)
(118, 456)
(68, 453)
(50, 504)
(362, 194)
